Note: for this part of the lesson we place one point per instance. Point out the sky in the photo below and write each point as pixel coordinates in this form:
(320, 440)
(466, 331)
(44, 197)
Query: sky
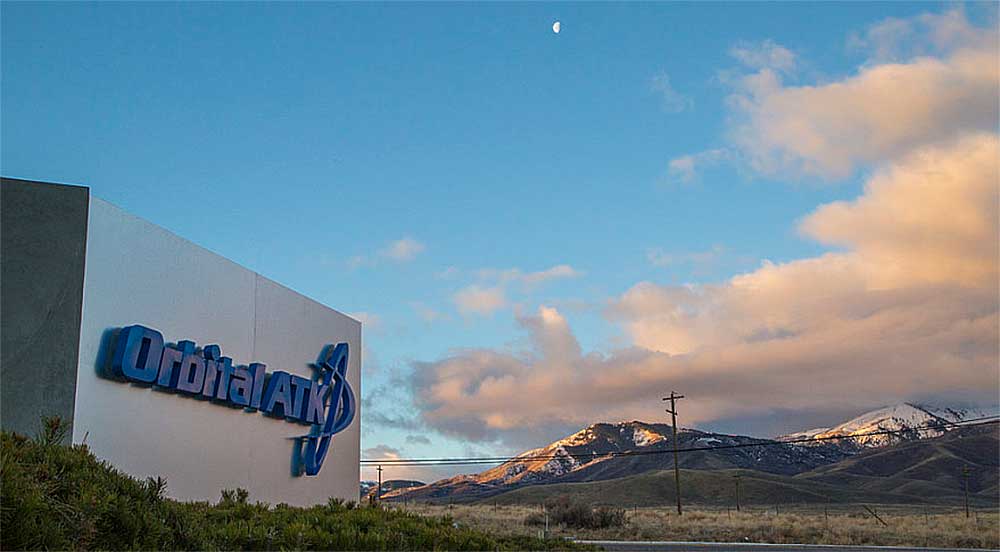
(785, 211)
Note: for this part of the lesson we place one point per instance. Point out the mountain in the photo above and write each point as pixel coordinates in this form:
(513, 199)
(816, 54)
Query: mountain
(605, 451)
(902, 419)
(368, 488)
(588, 456)
(390, 486)
(928, 471)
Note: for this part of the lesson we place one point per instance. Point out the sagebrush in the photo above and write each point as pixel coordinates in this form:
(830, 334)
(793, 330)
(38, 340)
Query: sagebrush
(577, 514)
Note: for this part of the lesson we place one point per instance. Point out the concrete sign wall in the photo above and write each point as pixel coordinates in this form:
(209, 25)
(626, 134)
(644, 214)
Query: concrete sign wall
(138, 273)
(44, 237)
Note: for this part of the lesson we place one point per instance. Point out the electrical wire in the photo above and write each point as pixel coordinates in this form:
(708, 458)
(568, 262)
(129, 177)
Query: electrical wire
(459, 461)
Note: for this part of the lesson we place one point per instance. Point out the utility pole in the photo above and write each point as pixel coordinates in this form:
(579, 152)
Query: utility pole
(673, 398)
(737, 492)
(378, 493)
(965, 476)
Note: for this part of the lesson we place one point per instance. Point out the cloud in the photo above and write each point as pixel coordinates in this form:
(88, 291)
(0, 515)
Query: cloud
(391, 472)
(930, 218)
(765, 55)
(672, 100)
(417, 440)
(369, 320)
(909, 309)
(357, 261)
(402, 250)
(475, 299)
(686, 167)
(449, 273)
(381, 451)
(388, 405)
(370, 363)
(529, 279)
(700, 260)
(490, 295)
(558, 271)
(925, 222)
(371, 324)
(427, 313)
(479, 394)
(883, 41)
(881, 112)
(377, 417)
(896, 39)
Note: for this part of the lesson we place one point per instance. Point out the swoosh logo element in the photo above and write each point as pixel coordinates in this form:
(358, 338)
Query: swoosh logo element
(340, 407)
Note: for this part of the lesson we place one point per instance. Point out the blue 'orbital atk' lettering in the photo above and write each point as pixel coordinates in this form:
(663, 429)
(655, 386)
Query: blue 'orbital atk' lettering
(327, 403)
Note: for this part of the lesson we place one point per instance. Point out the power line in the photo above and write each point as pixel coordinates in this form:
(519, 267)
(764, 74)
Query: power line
(457, 461)
(759, 443)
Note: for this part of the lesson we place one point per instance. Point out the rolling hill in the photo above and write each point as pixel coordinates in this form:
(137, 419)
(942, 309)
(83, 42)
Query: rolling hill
(919, 472)
(931, 466)
(603, 452)
(588, 455)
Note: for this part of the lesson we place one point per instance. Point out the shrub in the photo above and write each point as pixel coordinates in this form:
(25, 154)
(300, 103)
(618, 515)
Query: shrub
(579, 515)
(606, 516)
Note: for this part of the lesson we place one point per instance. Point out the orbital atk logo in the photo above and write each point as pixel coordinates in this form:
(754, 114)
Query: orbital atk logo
(326, 403)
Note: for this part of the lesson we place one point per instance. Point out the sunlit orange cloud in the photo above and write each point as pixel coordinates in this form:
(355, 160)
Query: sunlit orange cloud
(884, 111)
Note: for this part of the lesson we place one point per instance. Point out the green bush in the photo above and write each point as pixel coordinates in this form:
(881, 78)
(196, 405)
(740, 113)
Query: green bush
(579, 515)
(62, 497)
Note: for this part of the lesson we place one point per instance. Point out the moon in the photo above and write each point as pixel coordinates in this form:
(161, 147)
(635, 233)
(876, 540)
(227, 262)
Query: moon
(555, 27)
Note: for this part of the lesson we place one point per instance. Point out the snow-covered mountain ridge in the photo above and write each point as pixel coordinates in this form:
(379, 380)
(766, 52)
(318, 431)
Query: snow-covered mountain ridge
(594, 453)
(903, 419)
(556, 459)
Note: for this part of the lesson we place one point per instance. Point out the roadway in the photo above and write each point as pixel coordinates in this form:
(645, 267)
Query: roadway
(665, 546)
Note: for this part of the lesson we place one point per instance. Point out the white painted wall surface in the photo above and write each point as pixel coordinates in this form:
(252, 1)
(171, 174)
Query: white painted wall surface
(139, 273)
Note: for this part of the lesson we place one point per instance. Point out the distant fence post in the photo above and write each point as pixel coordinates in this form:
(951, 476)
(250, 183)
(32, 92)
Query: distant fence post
(965, 476)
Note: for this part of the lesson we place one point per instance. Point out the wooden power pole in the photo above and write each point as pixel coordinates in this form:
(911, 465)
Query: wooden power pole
(378, 492)
(673, 398)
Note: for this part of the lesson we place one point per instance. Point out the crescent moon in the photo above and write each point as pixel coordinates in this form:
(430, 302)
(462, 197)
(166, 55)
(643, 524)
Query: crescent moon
(555, 27)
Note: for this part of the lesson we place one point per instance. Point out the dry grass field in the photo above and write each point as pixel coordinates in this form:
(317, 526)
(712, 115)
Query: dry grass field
(843, 525)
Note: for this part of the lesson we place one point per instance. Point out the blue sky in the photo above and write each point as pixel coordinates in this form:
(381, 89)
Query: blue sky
(306, 141)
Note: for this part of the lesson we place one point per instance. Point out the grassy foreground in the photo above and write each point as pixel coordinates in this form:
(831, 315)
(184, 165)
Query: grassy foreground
(948, 529)
(60, 497)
